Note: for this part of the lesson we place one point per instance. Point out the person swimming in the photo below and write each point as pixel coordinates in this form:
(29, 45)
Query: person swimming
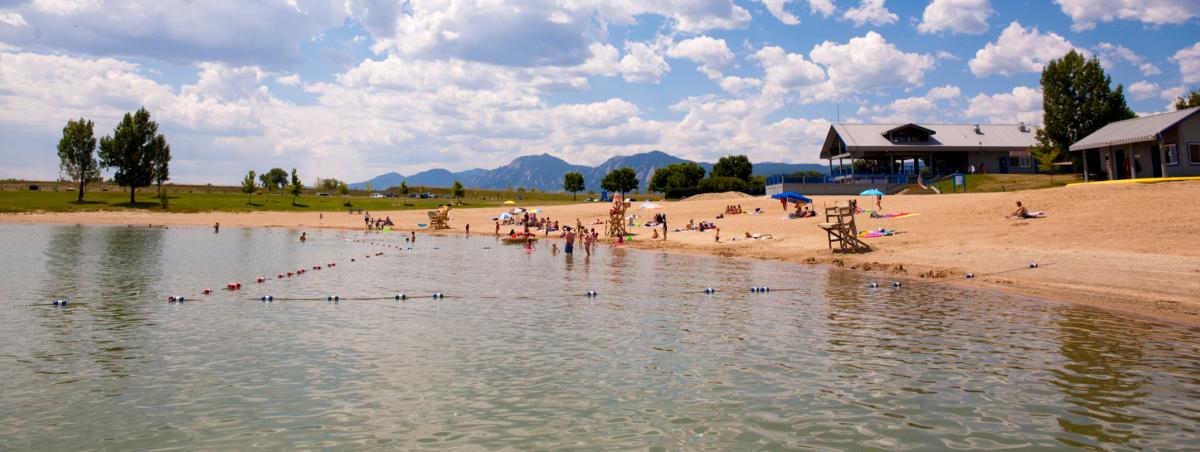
(303, 236)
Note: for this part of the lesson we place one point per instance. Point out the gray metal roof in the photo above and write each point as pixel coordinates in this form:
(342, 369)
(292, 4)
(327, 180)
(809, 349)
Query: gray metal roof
(947, 137)
(1134, 130)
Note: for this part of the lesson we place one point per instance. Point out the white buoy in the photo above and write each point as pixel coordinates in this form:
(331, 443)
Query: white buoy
(970, 276)
(1033, 265)
(895, 283)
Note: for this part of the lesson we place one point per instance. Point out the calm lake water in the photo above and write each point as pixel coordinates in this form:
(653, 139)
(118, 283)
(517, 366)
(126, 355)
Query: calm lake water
(517, 357)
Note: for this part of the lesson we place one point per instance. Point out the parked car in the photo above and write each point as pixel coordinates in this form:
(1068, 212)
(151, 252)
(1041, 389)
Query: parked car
(377, 195)
(322, 194)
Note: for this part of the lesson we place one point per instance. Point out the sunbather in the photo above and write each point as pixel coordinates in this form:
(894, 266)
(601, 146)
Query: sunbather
(1023, 213)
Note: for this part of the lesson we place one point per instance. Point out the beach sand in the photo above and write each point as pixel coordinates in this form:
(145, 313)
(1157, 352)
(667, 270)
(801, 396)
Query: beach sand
(1132, 248)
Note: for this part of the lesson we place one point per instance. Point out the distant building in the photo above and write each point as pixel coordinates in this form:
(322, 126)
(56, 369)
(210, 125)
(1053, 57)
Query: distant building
(1162, 145)
(941, 148)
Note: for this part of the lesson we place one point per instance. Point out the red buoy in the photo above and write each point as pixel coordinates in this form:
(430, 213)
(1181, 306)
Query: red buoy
(207, 291)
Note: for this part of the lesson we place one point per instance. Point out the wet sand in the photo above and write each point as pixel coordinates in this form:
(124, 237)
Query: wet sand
(1132, 248)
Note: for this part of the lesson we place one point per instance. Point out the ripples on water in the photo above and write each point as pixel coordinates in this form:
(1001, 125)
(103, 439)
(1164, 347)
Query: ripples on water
(517, 358)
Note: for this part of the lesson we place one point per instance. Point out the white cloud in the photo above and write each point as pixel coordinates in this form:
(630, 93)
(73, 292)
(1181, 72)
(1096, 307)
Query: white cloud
(1188, 59)
(179, 31)
(956, 16)
(13, 19)
(1022, 104)
(869, 63)
(643, 61)
(944, 55)
(1018, 50)
(712, 55)
(1144, 90)
(785, 71)
(870, 12)
(736, 85)
(823, 7)
(1085, 13)
(1109, 54)
(944, 92)
(777, 9)
(288, 80)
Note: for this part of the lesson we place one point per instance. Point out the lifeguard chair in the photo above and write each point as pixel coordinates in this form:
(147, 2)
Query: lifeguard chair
(440, 218)
(841, 230)
(616, 218)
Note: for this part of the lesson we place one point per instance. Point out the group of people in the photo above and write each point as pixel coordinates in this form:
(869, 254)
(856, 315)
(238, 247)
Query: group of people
(803, 210)
(734, 209)
(376, 223)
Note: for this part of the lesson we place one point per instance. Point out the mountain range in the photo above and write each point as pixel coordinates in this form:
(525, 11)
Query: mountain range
(545, 173)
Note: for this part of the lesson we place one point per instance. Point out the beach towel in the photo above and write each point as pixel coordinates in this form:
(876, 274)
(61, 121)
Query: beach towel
(896, 215)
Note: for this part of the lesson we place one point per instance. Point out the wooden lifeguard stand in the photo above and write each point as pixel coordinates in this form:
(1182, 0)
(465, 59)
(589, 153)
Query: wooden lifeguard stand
(841, 229)
(616, 218)
(440, 218)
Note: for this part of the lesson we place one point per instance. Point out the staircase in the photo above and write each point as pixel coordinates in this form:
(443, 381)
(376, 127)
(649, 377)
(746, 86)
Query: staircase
(914, 189)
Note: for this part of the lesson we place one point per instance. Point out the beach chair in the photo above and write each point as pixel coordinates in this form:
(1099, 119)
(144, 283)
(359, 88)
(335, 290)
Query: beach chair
(841, 229)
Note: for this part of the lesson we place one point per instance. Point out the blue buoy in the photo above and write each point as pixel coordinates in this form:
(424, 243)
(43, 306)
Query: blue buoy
(401, 296)
(895, 283)
(270, 298)
(262, 298)
(873, 285)
(710, 290)
(59, 302)
(591, 293)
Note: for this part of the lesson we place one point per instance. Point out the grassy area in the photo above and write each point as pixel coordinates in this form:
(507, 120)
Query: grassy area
(54, 197)
(982, 183)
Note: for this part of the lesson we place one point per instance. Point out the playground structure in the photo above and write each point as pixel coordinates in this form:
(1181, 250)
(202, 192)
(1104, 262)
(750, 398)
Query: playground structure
(616, 217)
(841, 229)
(440, 218)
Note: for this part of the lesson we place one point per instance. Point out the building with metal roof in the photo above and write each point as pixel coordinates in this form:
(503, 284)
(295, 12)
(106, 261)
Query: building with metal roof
(1162, 145)
(941, 148)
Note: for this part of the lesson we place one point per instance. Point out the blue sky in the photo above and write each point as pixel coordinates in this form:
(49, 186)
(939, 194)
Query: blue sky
(354, 88)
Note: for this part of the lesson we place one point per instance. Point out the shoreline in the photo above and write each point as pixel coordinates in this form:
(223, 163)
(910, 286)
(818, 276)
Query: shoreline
(1084, 259)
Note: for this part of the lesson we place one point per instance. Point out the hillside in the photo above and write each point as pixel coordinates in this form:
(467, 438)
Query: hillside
(544, 172)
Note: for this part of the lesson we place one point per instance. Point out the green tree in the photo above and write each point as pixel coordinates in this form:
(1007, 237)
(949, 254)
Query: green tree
(1045, 154)
(573, 182)
(295, 186)
(248, 185)
(1077, 99)
(1190, 100)
(458, 191)
(620, 180)
(808, 175)
(330, 185)
(344, 190)
(720, 184)
(677, 180)
(77, 154)
(275, 179)
(161, 152)
(131, 150)
(403, 188)
(734, 166)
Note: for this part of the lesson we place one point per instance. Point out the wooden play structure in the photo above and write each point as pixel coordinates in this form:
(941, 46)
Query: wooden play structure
(616, 218)
(841, 229)
(440, 218)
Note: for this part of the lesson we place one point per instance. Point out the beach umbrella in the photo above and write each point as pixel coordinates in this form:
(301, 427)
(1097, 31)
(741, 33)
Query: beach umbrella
(871, 192)
(504, 216)
(509, 202)
(535, 211)
(791, 196)
(649, 205)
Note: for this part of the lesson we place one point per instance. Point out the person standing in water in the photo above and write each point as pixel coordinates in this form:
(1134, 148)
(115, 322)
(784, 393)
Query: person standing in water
(217, 227)
(414, 237)
(303, 236)
(468, 230)
(570, 248)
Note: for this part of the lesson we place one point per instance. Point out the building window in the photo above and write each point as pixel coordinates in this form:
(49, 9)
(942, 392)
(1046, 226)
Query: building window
(1172, 152)
(1020, 162)
(1026, 162)
(1194, 153)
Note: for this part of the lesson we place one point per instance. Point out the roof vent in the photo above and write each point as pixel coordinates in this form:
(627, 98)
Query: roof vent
(977, 131)
(1022, 128)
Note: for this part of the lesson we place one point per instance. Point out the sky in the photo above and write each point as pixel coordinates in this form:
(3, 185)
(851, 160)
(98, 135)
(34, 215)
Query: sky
(355, 88)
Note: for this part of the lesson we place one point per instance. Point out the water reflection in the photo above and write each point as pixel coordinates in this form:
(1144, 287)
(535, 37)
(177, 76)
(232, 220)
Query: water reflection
(1100, 377)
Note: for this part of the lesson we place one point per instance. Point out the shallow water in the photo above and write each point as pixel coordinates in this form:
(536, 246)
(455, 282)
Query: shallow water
(517, 357)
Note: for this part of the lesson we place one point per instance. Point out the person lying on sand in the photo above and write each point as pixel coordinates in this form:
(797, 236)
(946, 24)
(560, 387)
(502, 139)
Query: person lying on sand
(1023, 213)
(758, 236)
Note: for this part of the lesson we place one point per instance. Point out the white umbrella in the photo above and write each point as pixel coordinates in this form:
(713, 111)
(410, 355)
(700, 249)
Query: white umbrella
(504, 216)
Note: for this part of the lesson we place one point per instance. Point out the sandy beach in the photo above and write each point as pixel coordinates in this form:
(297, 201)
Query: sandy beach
(1130, 248)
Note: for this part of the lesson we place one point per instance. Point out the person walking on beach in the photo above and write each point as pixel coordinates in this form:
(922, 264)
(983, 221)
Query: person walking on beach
(664, 224)
(570, 248)
(497, 228)
(468, 230)
(879, 202)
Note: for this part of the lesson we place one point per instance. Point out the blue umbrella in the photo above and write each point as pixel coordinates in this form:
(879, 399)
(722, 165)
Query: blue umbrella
(791, 196)
(871, 192)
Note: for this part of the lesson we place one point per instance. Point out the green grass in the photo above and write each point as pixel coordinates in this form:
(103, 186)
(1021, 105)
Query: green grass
(984, 183)
(53, 197)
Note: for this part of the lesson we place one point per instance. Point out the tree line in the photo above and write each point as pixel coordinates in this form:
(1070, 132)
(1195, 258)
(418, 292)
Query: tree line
(136, 151)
